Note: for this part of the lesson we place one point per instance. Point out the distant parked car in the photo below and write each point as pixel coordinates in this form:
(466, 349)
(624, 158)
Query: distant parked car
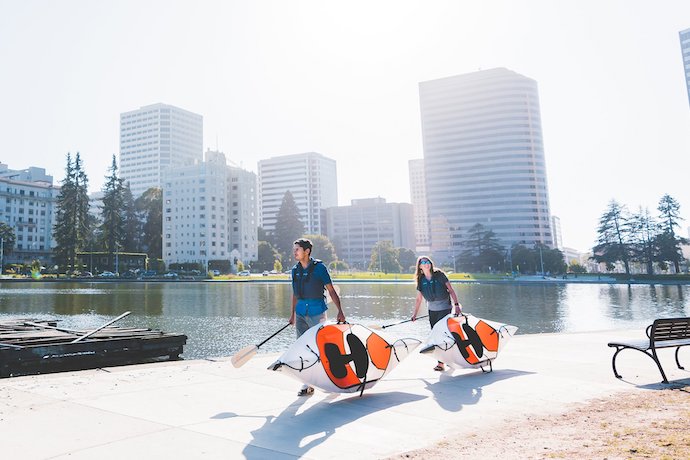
(107, 275)
(244, 273)
(171, 275)
(129, 274)
(265, 273)
(215, 272)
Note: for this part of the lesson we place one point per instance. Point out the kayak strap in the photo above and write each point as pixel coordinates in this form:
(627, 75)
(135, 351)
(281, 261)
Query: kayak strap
(302, 366)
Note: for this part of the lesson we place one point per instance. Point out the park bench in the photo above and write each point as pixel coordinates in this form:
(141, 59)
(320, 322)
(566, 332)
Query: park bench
(662, 333)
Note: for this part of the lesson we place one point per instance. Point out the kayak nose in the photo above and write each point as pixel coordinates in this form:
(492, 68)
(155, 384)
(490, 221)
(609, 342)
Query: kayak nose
(275, 366)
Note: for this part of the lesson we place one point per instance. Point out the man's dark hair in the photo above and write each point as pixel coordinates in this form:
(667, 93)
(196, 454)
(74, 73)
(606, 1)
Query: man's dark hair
(304, 243)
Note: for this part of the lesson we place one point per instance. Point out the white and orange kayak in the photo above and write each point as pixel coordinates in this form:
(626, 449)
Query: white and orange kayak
(342, 358)
(466, 341)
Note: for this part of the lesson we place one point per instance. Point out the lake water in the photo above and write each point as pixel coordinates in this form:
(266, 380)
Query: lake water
(219, 318)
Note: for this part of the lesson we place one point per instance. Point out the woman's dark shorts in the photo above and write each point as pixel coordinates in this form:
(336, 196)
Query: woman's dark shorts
(435, 316)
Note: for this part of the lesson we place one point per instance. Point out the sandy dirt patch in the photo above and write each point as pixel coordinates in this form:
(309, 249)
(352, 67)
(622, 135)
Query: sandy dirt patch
(630, 425)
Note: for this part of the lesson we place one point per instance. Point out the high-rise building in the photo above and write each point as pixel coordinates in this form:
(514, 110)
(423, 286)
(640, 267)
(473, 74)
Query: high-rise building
(556, 231)
(209, 213)
(484, 160)
(28, 197)
(685, 49)
(418, 196)
(355, 229)
(154, 138)
(310, 177)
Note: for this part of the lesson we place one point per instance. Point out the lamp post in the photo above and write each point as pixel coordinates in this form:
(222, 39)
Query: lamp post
(451, 242)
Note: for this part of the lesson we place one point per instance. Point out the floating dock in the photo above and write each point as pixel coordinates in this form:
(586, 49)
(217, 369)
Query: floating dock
(35, 347)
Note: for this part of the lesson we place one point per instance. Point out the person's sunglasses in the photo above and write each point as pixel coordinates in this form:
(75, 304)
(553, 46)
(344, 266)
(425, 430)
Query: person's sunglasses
(424, 262)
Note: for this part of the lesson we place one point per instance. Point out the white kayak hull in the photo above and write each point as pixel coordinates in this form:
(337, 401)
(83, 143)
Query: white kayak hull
(466, 341)
(342, 358)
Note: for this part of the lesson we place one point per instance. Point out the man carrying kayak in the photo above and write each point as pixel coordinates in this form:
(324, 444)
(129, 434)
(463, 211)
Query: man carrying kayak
(310, 278)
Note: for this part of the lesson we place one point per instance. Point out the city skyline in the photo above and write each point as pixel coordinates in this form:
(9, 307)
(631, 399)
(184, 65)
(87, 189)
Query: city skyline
(277, 78)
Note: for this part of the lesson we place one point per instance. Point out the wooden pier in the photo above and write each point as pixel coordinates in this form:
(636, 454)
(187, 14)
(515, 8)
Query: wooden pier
(36, 347)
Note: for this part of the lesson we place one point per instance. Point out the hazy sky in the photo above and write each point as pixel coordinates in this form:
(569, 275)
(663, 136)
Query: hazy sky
(341, 78)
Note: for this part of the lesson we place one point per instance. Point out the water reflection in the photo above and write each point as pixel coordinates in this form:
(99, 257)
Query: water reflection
(220, 317)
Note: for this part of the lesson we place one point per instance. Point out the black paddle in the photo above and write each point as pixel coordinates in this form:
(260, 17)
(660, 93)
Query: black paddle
(395, 324)
(245, 354)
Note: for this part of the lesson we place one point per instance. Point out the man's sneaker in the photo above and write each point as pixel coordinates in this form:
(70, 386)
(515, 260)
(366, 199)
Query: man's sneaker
(306, 391)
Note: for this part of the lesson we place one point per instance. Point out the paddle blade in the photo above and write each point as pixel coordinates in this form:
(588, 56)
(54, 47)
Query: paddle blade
(376, 327)
(244, 355)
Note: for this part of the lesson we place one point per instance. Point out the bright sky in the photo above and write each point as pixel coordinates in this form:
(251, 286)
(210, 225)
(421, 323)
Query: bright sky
(341, 78)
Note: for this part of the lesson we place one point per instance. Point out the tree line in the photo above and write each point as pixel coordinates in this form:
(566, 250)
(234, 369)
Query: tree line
(123, 224)
(481, 250)
(640, 237)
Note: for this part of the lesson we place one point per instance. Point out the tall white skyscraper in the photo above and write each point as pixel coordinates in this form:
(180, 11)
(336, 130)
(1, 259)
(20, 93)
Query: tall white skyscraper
(310, 177)
(685, 49)
(154, 138)
(484, 159)
(418, 198)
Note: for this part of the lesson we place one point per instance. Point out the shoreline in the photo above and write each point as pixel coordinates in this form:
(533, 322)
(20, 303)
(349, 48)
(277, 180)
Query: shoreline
(524, 280)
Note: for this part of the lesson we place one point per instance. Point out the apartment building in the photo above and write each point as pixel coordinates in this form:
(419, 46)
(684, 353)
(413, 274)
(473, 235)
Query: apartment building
(209, 212)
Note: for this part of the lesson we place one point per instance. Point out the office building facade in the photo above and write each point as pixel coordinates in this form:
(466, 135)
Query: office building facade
(418, 198)
(209, 213)
(154, 138)
(312, 180)
(354, 230)
(484, 160)
(556, 232)
(685, 50)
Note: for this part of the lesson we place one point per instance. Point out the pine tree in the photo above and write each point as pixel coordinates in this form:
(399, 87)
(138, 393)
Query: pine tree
(132, 223)
(150, 206)
(643, 230)
(289, 226)
(83, 220)
(63, 231)
(72, 220)
(112, 228)
(668, 242)
(482, 249)
(613, 242)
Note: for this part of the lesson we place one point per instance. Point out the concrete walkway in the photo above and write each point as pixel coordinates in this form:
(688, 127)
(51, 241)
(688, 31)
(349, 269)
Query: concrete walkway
(208, 409)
